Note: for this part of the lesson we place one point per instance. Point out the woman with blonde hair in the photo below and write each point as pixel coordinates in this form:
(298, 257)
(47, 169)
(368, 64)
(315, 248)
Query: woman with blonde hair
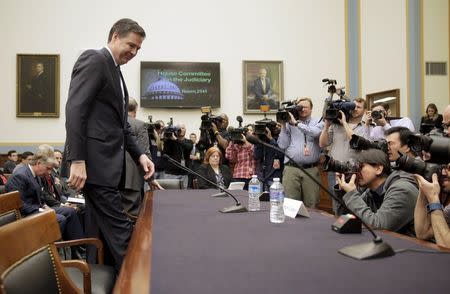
(213, 170)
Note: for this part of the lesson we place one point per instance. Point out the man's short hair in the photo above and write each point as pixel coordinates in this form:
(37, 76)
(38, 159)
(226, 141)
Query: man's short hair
(382, 104)
(375, 157)
(305, 99)
(403, 133)
(26, 154)
(57, 150)
(125, 26)
(132, 105)
(10, 152)
(361, 100)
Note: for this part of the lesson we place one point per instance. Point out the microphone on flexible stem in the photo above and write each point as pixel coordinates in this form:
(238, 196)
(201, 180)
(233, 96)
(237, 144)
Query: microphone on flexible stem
(375, 249)
(238, 207)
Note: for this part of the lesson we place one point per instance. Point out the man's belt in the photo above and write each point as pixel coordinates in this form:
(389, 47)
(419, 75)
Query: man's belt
(289, 163)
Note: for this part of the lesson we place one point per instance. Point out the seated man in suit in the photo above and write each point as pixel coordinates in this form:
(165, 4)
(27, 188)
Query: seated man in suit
(11, 163)
(25, 180)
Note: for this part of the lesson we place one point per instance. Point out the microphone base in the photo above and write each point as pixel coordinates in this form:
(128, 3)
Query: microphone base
(234, 209)
(265, 196)
(220, 194)
(370, 250)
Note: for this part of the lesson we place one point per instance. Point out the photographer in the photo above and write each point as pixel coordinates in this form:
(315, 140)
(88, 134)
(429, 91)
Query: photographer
(221, 134)
(397, 140)
(380, 117)
(337, 137)
(430, 216)
(300, 140)
(389, 198)
(179, 148)
(269, 162)
(240, 153)
(156, 148)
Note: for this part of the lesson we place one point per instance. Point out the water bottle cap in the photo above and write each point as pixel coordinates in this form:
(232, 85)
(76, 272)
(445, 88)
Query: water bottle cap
(254, 176)
(276, 179)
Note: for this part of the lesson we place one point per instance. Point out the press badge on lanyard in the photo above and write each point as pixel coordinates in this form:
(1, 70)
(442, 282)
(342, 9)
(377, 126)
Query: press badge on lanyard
(306, 150)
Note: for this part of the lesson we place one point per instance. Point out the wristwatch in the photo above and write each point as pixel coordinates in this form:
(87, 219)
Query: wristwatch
(434, 206)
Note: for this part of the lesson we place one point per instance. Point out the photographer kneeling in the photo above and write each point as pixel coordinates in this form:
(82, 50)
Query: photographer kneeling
(389, 199)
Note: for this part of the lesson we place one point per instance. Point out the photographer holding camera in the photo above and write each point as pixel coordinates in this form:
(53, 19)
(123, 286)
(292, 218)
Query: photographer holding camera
(380, 117)
(431, 218)
(389, 198)
(337, 137)
(397, 141)
(240, 153)
(179, 148)
(300, 140)
(269, 162)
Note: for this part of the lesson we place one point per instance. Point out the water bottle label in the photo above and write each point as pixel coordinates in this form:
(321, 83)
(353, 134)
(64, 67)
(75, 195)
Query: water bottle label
(254, 189)
(277, 195)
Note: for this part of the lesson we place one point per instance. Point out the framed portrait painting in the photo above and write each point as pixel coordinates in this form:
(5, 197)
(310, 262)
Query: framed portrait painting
(37, 85)
(263, 86)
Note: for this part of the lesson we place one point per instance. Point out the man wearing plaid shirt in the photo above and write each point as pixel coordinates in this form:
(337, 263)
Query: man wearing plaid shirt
(240, 153)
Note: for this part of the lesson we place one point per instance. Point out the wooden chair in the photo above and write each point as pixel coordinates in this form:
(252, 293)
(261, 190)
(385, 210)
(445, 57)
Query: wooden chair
(92, 278)
(30, 262)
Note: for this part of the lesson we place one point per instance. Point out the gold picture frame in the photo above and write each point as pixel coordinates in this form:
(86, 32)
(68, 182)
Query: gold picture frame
(262, 85)
(37, 85)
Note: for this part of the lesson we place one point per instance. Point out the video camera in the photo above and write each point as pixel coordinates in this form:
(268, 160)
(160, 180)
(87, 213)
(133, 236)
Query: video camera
(437, 146)
(360, 143)
(332, 87)
(236, 133)
(333, 108)
(151, 127)
(207, 118)
(285, 108)
(170, 130)
(260, 128)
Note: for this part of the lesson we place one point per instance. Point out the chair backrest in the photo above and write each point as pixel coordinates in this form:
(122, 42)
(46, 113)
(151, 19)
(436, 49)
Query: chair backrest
(29, 262)
(10, 205)
(171, 184)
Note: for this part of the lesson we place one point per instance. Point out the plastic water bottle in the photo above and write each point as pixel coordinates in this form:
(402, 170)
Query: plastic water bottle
(276, 202)
(254, 191)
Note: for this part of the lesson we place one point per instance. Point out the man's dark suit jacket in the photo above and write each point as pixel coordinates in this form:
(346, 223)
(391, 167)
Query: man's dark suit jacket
(258, 88)
(207, 171)
(96, 119)
(134, 177)
(28, 187)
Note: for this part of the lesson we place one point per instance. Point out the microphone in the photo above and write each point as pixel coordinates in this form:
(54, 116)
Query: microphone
(238, 207)
(375, 249)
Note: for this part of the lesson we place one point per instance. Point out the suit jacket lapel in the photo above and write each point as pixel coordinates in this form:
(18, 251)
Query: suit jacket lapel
(116, 83)
(36, 186)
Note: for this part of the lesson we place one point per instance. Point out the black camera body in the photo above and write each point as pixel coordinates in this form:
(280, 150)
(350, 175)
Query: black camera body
(360, 143)
(207, 120)
(236, 133)
(260, 128)
(333, 108)
(170, 130)
(377, 114)
(333, 165)
(151, 127)
(286, 107)
(437, 146)
(417, 166)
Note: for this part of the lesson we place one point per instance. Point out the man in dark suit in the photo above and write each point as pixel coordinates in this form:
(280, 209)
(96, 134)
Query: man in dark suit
(134, 177)
(26, 181)
(98, 133)
(263, 91)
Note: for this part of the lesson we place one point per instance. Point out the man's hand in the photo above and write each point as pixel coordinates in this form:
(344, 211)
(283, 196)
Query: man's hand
(269, 134)
(78, 176)
(343, 119)
(154, 185)
(347, 187)
(147, 165)
(291, 120)
(429, 190)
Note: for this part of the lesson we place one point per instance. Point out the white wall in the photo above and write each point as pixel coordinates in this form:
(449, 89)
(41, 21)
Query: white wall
(383, 48)
(307, 35)
(435, 47)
